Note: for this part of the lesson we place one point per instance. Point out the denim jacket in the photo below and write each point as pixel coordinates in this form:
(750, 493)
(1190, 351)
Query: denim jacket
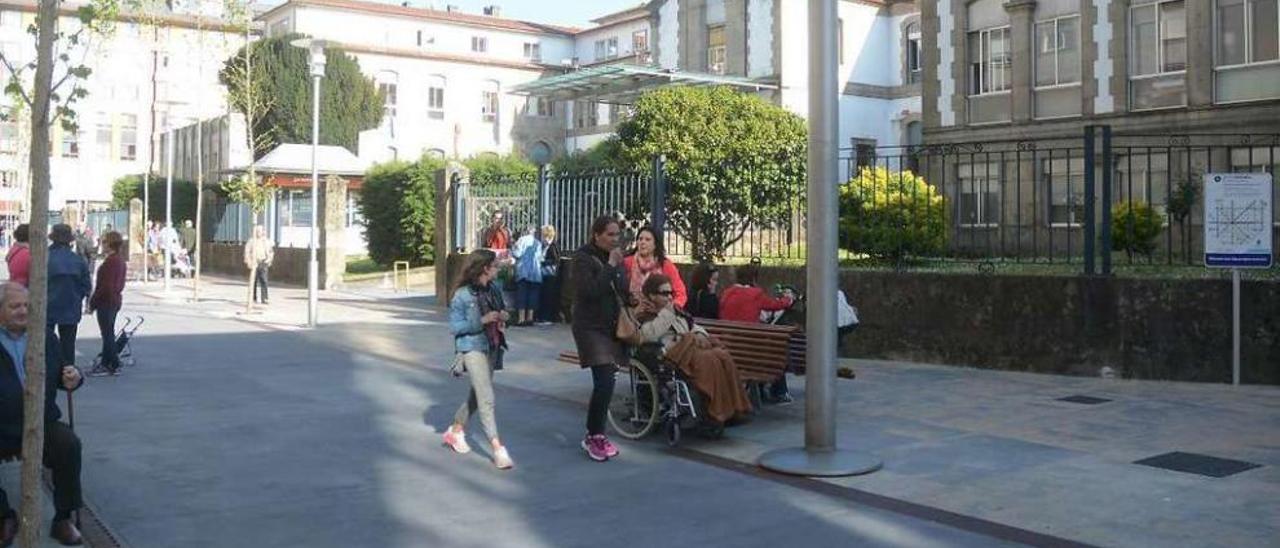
(464, 322)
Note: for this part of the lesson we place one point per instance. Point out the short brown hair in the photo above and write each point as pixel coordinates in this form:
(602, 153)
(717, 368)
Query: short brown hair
(747, 274)
(654, 283)
(113, 241)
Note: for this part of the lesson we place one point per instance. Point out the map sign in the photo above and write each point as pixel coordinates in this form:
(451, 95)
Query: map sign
(1237, 220)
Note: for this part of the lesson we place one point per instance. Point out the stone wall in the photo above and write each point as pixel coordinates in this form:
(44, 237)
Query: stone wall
(289, 267)
(1143, 328)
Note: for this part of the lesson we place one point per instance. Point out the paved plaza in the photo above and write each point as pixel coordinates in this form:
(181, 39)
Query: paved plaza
(248, 430)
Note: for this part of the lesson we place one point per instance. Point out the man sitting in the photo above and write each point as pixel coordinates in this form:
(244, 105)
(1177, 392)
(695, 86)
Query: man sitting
(61, 446)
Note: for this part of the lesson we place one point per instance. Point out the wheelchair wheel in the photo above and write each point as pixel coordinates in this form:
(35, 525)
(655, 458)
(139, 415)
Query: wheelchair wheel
(633, 411)
(673, 432)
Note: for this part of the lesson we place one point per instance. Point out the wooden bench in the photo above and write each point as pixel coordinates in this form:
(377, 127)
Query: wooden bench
(762, 352)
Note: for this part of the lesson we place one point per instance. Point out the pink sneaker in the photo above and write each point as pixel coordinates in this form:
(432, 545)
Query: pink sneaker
(609, 448)
(456, 440)
(595, 448)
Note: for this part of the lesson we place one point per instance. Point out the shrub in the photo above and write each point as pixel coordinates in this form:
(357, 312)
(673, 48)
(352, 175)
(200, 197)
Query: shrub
(184, 196)
(604, 155)
(399, 208)
(892, 215)
(492, 167)
(1135, 227)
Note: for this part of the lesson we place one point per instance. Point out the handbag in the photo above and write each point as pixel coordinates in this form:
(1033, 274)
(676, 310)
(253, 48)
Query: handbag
(628, 330)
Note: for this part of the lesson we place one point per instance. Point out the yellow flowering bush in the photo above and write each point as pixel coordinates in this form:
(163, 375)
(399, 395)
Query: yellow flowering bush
(892, 215)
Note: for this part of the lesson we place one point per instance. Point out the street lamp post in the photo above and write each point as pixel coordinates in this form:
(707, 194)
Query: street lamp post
(168, 211)
(819, 456)
(317, 61)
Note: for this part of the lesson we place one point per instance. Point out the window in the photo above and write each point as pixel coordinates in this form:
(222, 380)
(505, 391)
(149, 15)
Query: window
(980, 195)
(541, 107)
(989, 61)
(353, 210)
(717, 53)
(914, 66)
(1063, 181)
(11, 20)
(479, 44)
(295, 208)
(102, 136)
(533, 52)
(70, 144)
(1248, 31)
(864, 153)
(435, 97)
(388, 92)
(640, 41)
(489, 105)
(1144, 178)
(1058, 51)
(8, 133)
(585, 114)
(606, 49)
(1157, 55)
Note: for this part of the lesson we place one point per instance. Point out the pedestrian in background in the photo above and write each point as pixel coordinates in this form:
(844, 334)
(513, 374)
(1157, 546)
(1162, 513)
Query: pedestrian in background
(69, 286)
(477, 317)
(549, 296)
(108, 297)
(19, 256)
(703, 299)
(649, 258)
(529, 253)
(259, 252)
(599, 287)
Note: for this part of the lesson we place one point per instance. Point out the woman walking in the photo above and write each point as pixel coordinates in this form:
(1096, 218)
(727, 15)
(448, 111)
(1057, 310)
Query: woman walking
(477, 319)
(599, 286)
(19, 257)
(647, 259)
(549, 297)
(108, 296)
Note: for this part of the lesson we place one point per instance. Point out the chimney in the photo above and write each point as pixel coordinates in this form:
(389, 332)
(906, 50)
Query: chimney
(451, 8)
(493, 11)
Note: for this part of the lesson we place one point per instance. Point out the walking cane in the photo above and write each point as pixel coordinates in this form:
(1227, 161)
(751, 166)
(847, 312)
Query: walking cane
(71, 419)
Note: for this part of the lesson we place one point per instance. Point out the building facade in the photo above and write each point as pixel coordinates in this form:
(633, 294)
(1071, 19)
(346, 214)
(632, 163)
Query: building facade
(156, 70)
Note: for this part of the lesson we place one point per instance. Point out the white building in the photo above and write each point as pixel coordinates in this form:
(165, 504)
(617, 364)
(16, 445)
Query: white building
(156, 70)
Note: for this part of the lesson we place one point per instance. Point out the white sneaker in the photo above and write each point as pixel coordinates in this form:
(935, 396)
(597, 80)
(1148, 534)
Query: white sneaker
(456, 440)
(502, 459)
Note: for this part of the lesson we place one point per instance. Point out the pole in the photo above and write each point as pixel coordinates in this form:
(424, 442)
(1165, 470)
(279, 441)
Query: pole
(1235, 327)
(313, 271)
(819, 457)
(168, 210)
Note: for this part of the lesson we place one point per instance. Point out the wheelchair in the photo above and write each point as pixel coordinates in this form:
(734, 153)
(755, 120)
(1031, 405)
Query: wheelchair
(650, 391)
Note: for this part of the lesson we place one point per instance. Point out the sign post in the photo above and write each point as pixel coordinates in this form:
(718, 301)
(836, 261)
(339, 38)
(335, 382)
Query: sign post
(1237, 234)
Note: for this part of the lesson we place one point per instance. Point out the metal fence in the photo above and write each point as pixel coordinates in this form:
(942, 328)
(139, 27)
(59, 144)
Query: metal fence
(1094, 200)
(228, 222)
(102, 222)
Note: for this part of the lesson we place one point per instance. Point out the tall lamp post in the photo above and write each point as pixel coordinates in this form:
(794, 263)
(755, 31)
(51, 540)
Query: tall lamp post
(819, 456)
(316, 48)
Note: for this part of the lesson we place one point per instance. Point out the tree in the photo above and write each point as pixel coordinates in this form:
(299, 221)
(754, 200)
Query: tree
(48, 105)
(130, 186)
(1181, 204)
(349, 102)
(604, 155)
(398, 204)
(733, 161)
(1134, 228)
(892, 215)
(492, 167)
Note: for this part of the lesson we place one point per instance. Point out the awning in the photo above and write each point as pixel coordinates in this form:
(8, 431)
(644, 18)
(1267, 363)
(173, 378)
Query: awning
(622, 83)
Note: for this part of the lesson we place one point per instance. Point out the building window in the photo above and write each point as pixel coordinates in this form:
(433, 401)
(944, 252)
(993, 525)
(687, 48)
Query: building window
(11, 20)
(435, 97)
(1158, 55)
(1063, 181)
(1058, 51)
(606, 49)
(1143, 178)
(585, 114)
(295, 209)
(717, 52)
(915, 70)
(979, 190)
(989, 61)
(1247, 46)
(479, 44)
(533, 52)
(388, 92)
(541, 107)
(70, 144)
(102, 136)
(8, 133)
(489, 105)
(640, 41)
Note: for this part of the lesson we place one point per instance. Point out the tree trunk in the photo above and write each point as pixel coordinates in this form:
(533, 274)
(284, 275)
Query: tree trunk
(248, 297)
(195, 290)
(33, 402)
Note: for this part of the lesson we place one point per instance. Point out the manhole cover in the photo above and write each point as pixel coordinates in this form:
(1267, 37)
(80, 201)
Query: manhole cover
(1194, 463)
(1084, 400)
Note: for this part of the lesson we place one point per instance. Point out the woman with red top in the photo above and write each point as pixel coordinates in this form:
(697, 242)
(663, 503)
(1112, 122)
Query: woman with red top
(647, 259)
(19, 257)
(107, 299)
(743, 302)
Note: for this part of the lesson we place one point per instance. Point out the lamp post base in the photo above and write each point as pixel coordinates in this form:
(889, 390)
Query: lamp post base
(798, 461)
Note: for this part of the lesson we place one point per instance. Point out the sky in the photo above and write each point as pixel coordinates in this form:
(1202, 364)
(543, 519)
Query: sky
(574, 13)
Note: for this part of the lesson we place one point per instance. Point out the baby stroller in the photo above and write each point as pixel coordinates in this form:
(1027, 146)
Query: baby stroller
(124, 347)
(182, 264)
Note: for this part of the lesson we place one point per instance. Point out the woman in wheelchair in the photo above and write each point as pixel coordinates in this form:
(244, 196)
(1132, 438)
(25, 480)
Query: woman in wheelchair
(688, 348)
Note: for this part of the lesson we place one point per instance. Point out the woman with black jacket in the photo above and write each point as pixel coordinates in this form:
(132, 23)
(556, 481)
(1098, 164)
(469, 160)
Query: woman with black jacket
(598, 286)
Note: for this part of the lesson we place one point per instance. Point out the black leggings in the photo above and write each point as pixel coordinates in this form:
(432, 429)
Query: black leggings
(603, 378)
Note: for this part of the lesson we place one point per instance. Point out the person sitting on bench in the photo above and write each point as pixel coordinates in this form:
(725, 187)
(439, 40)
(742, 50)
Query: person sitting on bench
(700, 357)
(61, 446)
(743, 302)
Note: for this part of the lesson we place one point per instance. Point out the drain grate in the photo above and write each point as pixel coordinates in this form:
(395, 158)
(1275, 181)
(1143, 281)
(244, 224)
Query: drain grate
(1085, 400)
(1194, 463)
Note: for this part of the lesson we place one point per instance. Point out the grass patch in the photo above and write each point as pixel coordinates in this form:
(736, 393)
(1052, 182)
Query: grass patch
(362, 264)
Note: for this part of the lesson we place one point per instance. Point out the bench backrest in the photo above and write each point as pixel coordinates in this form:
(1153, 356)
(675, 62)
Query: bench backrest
(760, 350)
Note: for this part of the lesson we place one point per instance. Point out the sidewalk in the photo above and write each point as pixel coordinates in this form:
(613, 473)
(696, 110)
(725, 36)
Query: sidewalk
(992, 445)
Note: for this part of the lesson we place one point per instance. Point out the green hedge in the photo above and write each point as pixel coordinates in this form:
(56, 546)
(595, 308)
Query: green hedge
(1135, 227)
(892, 215)
(129, 187)
(399, 208)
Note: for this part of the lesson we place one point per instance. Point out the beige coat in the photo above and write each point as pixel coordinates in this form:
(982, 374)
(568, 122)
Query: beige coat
(667, 328)
(259, 250)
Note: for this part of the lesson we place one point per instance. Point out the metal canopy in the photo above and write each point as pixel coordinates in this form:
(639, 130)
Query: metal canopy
(622, 83)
